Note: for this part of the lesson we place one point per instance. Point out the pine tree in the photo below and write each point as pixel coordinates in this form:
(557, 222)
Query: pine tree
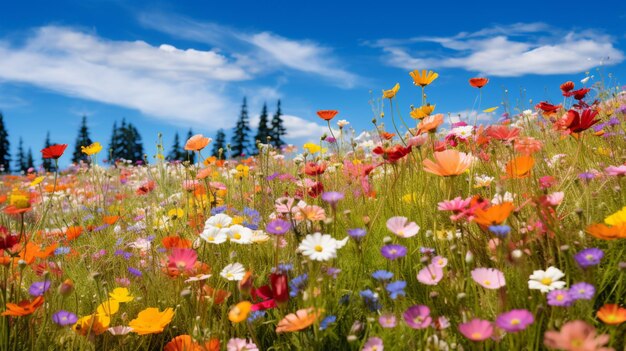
(30, 162)
(134, 143)
(5, 146)
(278, 130)
(263, 131)
(219, 143)
(113, 144)
(117, 142)
(240, 134)
(83, 139)
(46, 162)
(190, 155)
(20, 159)
(177, 153)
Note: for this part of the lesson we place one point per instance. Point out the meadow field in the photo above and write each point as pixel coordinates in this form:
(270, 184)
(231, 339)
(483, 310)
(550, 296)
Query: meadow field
(424, 233)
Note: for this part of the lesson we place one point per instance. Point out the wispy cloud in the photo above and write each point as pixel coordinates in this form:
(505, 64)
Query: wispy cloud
(259, 51)
(506, 51)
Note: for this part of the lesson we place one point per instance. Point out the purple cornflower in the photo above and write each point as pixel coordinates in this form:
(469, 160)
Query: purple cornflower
(387, 320)
(500, 230)
(39, 288)
(589, 257)
(373, 344)
(515, 320)
(586, 176)
(582, 291)
(357, 233)
(382, 275)
(396, 289)
(278, 227)
(332, 197)
(560, 297)
(393, 251)
(135, 272)
(326, 322)
(371, 300)
(417, 317)
(64, 318)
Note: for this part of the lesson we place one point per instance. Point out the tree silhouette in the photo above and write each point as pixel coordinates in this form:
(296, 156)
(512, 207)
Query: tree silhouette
(263, 131)
(46, 163)
(278, 130)
(5, 147)
(219, 143)
(177, 152)
(240, 134)
(20, 157)
(83, 139)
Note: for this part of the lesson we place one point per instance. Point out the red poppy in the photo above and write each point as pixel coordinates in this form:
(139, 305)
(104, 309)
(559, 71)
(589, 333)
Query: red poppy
(567, 87)
(54, 151)
(314, 169)
(577, 123)
(6, 239)
(327, 115)
(547, 107)
(393, 153)
(146, 187)
(502, 133)
(478, 82)
(580, 93)
(280, 288)
(316, 189)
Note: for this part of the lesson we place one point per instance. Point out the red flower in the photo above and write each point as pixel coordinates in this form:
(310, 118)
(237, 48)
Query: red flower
(54, 151)
(314, 169)
(327, 115)
(567, 87)
(580, 93)
(6, 239)
(280, 287)
(146, 187)
(547, 107)
(316, 189)
(502, 133)
(478, 82)
(393, 153)
(577, 123)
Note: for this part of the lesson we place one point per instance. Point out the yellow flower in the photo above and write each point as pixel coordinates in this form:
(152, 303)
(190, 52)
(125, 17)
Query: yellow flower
(312, 148)
(19, 200)
(422, 112)
(391, 93)
(91, 149)
(603, 151)
(491, 109)
(237, 220)
(108, 307)
(94, 323)
(121, 295)
(616, 218)
(151, 321)
(410, 197)
(175, 213)
(37, 180)
(240, 312)
(242, 171)
(423, 79)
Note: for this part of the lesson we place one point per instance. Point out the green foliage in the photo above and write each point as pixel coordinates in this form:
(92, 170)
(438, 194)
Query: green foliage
(278, 129)
(5, 148)
(82, 139)
(240, 143)
(219, 144)
(263, 131)
(20, 157)
(126, 143)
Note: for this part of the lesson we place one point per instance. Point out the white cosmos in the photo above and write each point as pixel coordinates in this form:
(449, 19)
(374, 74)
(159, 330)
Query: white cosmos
(240, 234)
(220, 220)
(547, 280)
(319, 247)
(234, 271)
(214, 235)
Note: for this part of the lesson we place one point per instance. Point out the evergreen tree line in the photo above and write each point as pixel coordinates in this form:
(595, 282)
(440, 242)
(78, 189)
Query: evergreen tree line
(268, 132)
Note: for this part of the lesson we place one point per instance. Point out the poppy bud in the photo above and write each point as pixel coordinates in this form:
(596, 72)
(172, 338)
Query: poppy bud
(280, 287)
(66, 287)
(245, 285)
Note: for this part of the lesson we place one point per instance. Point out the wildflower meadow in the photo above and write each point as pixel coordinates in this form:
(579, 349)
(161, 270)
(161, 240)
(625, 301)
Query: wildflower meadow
(422, 233)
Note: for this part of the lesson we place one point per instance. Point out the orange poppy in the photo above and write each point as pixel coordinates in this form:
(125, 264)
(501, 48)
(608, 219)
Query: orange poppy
(216, 296)
(212, 345)
(239, 312)
(73, 232)
(612, 314)
(386, 135)
(33, 251)
(182, 343)
(567, 87)
(197, 142)
(171, 242)
(604, 232)
(430, 123)
(23, 308)
(494, 215)
(297, 321)
(448, 163)
(110, 220)
(520, 166)
(327, 115)
(478, 82)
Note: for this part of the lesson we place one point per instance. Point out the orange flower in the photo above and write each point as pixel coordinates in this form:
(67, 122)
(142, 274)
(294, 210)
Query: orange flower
(567, 87)
(327, 115)
(239, 312)
(297, 321)
(430, 123)
(110, 220)
(151, 321)
(197, 142)
(386, 135)
(478, 82)
(216, 296)
(313, 213)
(171, 242)
(520, 166)
(448, 163)
(182, 343)
(23, 308)
(494, 215)
(424, 78)
(94, 323)
(212, 345)
(604, 232)
(528, 145)
(612, 314)
(73, 232)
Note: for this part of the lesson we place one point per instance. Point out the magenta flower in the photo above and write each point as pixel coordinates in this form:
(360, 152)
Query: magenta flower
(373, 344)
(278, 227)
(393, 251)
(430, 275)
(514, 320)
(616, 170)
(401, 227)
(182, 259)
(418, 317)
(560, 297)
(488, 278)
(476, 329)
(387, 320)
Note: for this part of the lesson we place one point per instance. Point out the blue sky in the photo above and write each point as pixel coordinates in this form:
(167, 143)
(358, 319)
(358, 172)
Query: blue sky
(167, 66)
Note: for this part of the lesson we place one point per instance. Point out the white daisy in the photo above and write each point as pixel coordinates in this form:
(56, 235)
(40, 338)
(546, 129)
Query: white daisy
(482, 181)
(547, 280)
(259, 236)
(220, 220)
(198, 278)
(214, 235)
(234, 271)
(319, 247)
(240, 234)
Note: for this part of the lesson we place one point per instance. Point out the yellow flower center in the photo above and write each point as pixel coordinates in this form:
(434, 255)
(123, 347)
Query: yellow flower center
(229, 275)
(560, 297)
(237, 236)
(515, 321)
(318, 248)
(546, 281)
(476, 335)
(486, 282)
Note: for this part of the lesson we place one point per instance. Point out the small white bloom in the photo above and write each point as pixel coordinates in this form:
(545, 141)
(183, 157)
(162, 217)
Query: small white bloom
(319, 247)
(463, 132)
(234, 271)
(120, 330)
(482, 181)
(220, 220)
(342, 123)
(214, 235)
(499, 198)
(240, 234)
(547, 280)
(259, 236)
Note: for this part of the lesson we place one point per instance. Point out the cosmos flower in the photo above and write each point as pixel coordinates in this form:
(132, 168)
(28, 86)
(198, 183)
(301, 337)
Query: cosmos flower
(92, 149)
(64, 318)
(477, 329)
(418, 317)
(612, 314)
(373, 344)
(278, 227)
(430, 275)
(423, 78)
(448, 163)
(299, 320)
(396, 289)
(559, 297)
(488, 278)
(234, 272)
(582, 291)
(393, 251)
(546, 281)
(514, 320)
(151, 321)
(401, 227)
(575, 334)
(589, 257)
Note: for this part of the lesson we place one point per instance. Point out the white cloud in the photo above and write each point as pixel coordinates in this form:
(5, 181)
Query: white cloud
(507, 51)
(298, 128)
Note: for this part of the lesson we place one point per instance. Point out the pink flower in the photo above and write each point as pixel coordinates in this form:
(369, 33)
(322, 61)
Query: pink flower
(190, 185)
(576, 336)
(430, 275)
(616, 170)
(439, 261)
(182, 259)
(373, 344)
(455, 205)
(400, 227)
(488, 278)
(555, 198)
(477, 329)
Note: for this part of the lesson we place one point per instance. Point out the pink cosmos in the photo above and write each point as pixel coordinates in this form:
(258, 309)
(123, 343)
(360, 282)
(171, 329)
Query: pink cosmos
(477, 329)
(418, 317)
(488, 278)
(238, 344)
(401, 227)
(616, 170)
(430, 275)
(555, 198)
(515, 320)
(182, 259)
(387, 320)
(287, 204)
(190, 185)
(455, 205)
(374, 344)
(576, 336)
(439, 261)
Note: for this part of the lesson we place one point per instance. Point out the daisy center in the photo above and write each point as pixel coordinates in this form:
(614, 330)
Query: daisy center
(476, 335)
(546, 281)
(515, 321)
(318, 248)
(560, 297)
(487, 282)
(237, 236)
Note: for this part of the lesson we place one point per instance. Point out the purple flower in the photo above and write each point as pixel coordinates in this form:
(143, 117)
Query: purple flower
(387, 320)
(589, 257)
(382, 275)
(357, 233)
(64, 318)
(393, 251)
(586, 176)
(135, 272)
(330, 140)
(582, 291)
(500, 230)
(396, 289)
(515, 320)
(278, 227)
(373, 344)
(332, 197)
(560, 297)
(418, 317)
(39, 288)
